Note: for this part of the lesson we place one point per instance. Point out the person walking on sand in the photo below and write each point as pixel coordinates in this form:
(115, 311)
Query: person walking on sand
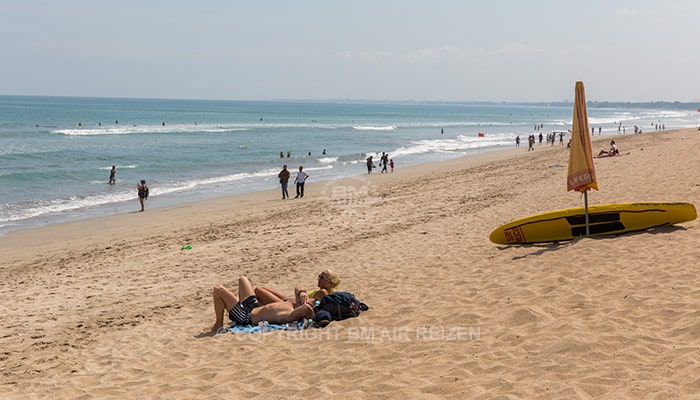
(112, 175)
(284, 180)
(301, 178)
(391, 164)
(143, 192)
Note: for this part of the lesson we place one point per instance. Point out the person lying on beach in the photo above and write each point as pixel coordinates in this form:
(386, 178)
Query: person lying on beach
(246, 309)
(610, 153)
(327, 282)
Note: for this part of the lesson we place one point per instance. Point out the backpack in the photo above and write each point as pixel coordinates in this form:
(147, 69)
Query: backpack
(341, 305)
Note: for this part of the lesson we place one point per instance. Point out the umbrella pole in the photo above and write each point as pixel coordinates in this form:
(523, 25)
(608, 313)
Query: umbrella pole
(585, 206)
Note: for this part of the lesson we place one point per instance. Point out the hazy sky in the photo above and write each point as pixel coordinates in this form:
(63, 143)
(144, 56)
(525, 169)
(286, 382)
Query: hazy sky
(452, 50)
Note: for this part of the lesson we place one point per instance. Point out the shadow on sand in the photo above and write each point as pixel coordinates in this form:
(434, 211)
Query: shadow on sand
(541, 248)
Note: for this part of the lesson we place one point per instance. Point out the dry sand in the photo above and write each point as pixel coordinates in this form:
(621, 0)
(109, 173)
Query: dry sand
(111, 307)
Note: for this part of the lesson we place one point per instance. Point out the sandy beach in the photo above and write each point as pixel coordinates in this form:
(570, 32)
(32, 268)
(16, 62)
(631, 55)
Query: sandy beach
(112, 307)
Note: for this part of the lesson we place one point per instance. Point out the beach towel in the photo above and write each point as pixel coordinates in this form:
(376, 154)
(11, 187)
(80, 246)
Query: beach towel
(250, 328)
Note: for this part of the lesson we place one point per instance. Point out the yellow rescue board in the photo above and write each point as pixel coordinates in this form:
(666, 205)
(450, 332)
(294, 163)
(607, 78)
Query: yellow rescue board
(605, 219)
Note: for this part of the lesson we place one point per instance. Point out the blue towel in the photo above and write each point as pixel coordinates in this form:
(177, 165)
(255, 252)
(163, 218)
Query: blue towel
(250, 328)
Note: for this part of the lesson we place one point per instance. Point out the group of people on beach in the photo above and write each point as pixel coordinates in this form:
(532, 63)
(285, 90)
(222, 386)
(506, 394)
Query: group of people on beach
(384, 162)
(284, 176)
(299, 181)
(551, 139)
(613, 151)
(253, 305)
(301, 176)
(141, 187)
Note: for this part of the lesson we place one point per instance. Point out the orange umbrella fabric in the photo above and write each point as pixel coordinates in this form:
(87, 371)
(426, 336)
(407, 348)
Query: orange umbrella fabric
(581, 169)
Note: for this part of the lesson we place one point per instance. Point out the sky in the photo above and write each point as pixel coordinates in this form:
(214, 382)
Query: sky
(434, 50)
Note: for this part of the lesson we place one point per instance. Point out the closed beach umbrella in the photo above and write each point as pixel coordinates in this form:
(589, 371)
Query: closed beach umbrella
(581, 175)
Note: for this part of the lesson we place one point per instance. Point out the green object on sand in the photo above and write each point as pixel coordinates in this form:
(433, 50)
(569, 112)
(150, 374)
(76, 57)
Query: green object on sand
(188, 247)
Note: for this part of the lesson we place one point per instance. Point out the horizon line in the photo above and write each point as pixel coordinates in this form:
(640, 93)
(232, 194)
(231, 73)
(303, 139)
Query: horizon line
(358, 100)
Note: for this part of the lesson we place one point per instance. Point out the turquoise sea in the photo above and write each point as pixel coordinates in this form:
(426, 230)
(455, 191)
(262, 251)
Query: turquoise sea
(56, 152)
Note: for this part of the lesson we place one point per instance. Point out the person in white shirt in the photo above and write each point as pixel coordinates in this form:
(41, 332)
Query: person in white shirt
(610, 153)
(300, 180)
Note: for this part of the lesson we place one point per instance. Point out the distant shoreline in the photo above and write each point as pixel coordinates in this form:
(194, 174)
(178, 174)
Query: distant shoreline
(661, 104)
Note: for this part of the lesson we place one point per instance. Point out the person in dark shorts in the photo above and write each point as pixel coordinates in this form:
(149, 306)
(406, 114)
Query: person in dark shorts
(240, 313)
(250, 310)
(143, 192)
(370, 164)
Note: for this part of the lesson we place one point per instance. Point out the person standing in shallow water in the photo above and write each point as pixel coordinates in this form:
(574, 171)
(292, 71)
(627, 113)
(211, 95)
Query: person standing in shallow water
(143, 192)
(284, 180)
(113, 175)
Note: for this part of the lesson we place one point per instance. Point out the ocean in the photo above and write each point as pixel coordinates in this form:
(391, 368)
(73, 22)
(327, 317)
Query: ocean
(57, 152)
